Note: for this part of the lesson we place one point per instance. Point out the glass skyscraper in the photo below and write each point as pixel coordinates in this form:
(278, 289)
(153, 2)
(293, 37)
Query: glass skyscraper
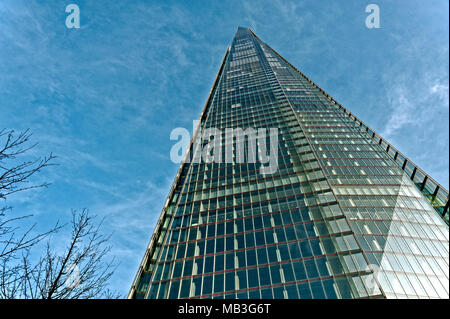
(344, 215)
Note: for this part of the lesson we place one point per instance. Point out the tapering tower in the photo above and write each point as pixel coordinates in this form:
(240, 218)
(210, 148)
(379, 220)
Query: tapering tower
(340, 214)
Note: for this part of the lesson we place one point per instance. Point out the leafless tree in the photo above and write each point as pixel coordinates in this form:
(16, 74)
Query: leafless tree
(15, 178)
(15, 175)
(79, 271)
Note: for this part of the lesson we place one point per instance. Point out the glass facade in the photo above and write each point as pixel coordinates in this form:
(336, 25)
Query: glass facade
(340, 217)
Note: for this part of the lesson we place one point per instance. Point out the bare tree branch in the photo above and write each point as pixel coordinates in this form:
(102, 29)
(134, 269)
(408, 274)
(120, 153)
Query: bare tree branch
(15, 176)
(78, 272)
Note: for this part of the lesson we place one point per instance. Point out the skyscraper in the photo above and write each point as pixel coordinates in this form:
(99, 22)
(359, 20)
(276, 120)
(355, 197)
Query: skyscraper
(343, 214)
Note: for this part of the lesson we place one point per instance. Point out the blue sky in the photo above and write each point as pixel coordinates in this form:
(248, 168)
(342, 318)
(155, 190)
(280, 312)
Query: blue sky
(104, 98)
